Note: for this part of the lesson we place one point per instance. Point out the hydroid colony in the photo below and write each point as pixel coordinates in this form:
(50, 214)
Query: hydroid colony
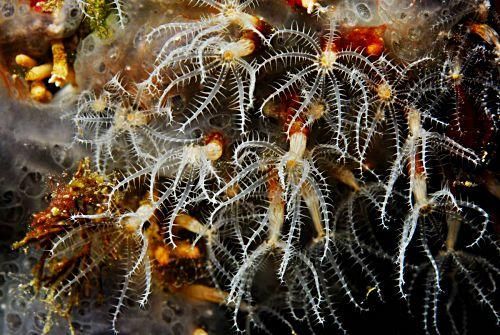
(286, 161)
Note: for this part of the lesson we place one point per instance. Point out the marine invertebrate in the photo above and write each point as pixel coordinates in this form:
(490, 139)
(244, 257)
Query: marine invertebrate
(128, 236)
(176, 175)
(188, 35)
(342, 255)
(464, 91)
(422, 214)
(283, 174)
(389, 97)
(415, 152)
(221, 67)
(322, 74)
(294, 177)
(259, 235)
(80, 234)
(335, 279)
(191, 169)
(205, 50)
(120, 127)
(453, 265)
(223, 250)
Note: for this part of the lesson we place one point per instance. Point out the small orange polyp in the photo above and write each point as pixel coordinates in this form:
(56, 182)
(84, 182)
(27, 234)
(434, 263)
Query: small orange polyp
(162, 255)
(39, 92)
(185, 249)
(25, 61)
(204, 293)
(39, 72)
(346, 177)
